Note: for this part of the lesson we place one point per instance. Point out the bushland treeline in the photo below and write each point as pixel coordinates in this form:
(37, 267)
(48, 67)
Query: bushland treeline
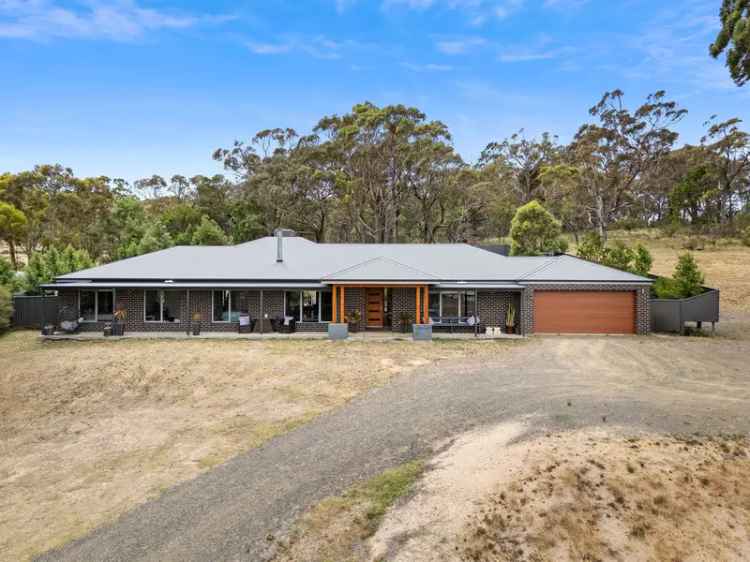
(390, 174)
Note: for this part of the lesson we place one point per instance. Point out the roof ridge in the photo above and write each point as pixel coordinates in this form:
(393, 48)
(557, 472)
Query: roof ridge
(374, 259)
(545, 265)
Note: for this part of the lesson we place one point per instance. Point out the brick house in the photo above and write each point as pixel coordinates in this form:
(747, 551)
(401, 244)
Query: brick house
(287, 276)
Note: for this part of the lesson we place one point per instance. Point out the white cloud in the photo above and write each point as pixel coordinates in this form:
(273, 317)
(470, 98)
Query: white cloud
(477, 12)
(269, 48)
(674, 47)
(565, 4)
(459, 46)
(430, 67)
(118, 20)
(526, 56)
(319, 46)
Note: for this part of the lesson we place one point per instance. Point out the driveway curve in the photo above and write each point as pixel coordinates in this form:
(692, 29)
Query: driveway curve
(237, 511)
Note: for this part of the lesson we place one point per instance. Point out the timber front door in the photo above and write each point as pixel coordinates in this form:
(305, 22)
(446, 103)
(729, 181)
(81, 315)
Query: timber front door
(374, 308)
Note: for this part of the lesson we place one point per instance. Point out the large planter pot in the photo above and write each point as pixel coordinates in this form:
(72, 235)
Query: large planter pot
(510, 329)
(118, 329)
(338, 331)
(421, 332)
(353, 327)
(196, 329)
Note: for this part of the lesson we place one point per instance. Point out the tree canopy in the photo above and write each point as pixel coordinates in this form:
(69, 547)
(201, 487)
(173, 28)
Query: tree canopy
(534, 231)
(734, 38)
(391, 174)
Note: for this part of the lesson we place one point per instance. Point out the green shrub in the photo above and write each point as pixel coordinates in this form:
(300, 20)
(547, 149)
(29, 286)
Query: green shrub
(688, 276)
(591, 247)
(534, 231)
(746, 236)
(7, 273)
(643, 260)
(6, 308)
(636, 260)
(666, 288)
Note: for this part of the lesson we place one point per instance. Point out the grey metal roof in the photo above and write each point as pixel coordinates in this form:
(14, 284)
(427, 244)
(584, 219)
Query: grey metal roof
(180, 285)
(570, 268)
(379, 269)
(306, 261)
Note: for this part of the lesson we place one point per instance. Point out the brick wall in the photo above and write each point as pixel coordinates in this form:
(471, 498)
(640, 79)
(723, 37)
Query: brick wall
(642, 300)
(402, 301)
(493, 305)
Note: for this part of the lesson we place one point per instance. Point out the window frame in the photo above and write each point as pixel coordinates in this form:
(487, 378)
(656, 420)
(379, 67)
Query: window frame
(96, 304)
(461, 294)
(162, 300)
(229, 311)
(298, 318)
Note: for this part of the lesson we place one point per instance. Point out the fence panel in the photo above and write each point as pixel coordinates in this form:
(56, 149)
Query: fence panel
(33, 311)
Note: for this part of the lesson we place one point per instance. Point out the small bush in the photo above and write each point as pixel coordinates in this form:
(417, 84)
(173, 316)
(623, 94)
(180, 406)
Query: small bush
(688, 276)
(746, 236)
(6, 308)
(666, 288)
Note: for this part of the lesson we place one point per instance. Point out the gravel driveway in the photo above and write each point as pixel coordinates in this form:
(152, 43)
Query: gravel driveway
(234, 512)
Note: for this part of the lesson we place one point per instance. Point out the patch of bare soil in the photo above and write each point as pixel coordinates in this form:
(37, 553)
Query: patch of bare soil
(596, 498)
(587, 495)
(88, 430)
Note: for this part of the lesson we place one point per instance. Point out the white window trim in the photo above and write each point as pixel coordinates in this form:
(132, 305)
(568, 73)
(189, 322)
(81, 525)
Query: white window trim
(96, 304)
(320, 307)
(162, 299)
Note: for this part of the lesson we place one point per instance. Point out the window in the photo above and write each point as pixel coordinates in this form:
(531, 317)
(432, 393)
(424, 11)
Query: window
(309, 306)
(326, 306)
(468, 303)
(162, 306)
(292, 304)
(96, 306)
(450, 304)
(226, 306)
(87, 306)
(434, 309)
(458, 304)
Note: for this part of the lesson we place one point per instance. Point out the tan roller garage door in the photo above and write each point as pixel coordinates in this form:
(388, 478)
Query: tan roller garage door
(584, 312)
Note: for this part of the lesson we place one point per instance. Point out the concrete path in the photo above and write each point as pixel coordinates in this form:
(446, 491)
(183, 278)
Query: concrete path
(235, 511)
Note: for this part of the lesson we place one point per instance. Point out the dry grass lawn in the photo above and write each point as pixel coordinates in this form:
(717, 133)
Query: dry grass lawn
(91, 429)
(726, 263)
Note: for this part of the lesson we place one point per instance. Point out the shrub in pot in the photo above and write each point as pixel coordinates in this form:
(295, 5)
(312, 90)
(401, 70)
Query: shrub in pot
(406, 323)
(118, 325)
(510, 319)
(354, 320)
(196, 324)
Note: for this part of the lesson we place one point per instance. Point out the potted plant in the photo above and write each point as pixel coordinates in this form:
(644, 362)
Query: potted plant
(353, 320)
(510, 319)
(196, 323)
(405, 323)
(118, 324)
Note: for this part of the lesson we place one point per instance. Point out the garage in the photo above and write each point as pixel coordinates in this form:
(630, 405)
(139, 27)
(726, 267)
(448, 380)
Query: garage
(584, 312)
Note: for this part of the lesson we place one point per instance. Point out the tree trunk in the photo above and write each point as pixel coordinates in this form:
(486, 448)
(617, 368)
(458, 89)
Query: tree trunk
(12, 249)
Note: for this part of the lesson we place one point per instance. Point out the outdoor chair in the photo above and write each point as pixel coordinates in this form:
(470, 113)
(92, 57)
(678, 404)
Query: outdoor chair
(247, 324)
(283, 325)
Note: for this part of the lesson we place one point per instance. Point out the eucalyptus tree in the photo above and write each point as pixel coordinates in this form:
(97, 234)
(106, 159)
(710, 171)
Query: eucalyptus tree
(730, 147)
(381, 153)
(517, 163)
(615, 153)
(734, 37)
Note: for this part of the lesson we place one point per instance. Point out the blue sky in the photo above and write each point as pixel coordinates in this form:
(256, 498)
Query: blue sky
(127, 88)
